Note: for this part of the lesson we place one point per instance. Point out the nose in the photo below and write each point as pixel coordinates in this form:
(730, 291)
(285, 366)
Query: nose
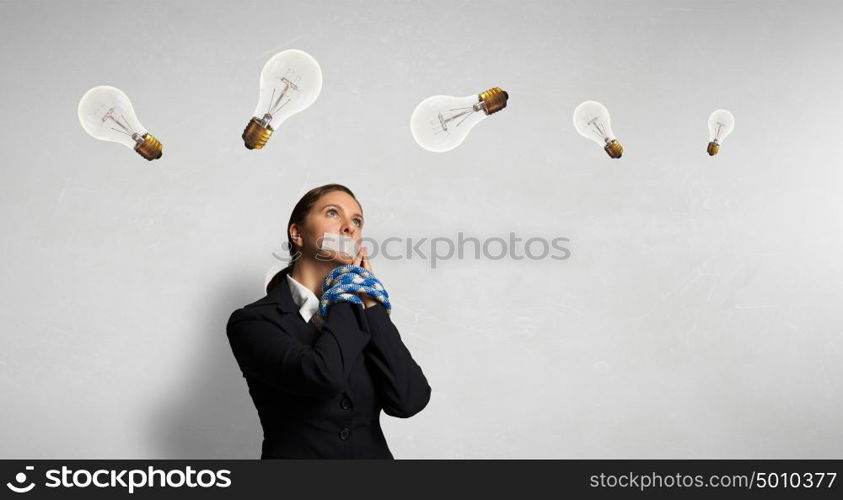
(348, 228)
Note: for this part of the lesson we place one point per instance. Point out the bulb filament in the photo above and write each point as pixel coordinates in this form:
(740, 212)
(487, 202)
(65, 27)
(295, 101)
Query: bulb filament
(717, 131)
(598, 125)
(120, 121)
(275, 104)
(461, 112)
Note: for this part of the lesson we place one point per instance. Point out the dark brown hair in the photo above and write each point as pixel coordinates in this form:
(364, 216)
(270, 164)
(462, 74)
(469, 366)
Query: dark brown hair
(298, 216)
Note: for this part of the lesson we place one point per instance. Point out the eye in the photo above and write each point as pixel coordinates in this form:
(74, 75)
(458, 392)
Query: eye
(359, 222)
(331, 210)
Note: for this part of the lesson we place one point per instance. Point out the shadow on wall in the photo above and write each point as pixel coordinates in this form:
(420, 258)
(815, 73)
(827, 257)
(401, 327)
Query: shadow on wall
(209, 414)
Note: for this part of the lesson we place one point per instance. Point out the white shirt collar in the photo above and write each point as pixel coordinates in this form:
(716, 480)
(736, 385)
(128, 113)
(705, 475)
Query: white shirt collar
(305, 298)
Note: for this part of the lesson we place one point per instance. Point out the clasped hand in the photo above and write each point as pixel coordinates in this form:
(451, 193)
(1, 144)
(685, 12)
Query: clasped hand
(355, 283)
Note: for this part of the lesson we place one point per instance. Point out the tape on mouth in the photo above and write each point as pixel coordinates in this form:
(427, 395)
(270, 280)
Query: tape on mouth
(340, 243)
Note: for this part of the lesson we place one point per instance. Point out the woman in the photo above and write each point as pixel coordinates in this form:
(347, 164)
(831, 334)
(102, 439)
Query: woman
(319, 384)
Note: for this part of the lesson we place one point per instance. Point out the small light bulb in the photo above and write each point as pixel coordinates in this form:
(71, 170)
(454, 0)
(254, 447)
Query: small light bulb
(441, 123)
(591, 119)
(720, 124)
(290, 82)
(107, 114)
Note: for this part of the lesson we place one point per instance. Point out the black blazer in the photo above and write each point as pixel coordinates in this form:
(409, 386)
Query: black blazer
(320, 394)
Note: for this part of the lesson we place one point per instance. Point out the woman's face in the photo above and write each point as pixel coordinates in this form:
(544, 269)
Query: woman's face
(334, 212)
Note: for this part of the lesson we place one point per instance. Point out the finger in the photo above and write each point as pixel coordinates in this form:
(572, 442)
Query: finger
(367, 265)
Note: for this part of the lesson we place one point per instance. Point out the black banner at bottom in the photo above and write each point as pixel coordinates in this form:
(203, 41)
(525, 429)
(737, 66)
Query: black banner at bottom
(400, 479)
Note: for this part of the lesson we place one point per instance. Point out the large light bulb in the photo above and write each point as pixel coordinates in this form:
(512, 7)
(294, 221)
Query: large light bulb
(720, 124)
(107, 114)
(441, 123)
(591, 119)
(290, 82)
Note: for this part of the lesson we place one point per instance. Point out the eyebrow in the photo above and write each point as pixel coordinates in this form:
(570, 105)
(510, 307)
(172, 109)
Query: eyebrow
(339, 207)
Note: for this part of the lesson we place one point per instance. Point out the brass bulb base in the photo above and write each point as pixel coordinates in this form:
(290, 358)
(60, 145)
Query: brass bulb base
(614, 148)
(255, 135)
(149, 147)
(494, 99)
(713, 148)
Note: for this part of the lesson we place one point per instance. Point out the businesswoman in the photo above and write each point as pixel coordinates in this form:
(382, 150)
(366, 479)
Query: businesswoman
(318, 382)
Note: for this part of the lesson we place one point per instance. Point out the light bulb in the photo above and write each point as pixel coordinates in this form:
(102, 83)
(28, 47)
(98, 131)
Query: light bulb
(591, 119)
(106, 114)
(720, 124)
(290, 82)
(441, 123)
